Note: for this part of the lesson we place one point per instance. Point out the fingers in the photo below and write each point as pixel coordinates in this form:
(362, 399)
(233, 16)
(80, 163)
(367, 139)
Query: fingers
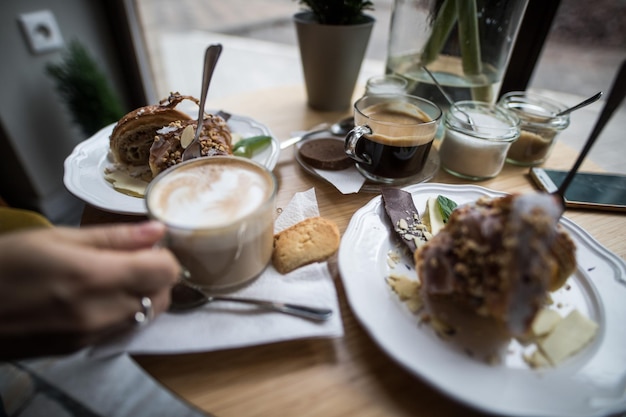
(122, 236)
(144, 267)
(85, 283)
(119, 311)
(139, 272)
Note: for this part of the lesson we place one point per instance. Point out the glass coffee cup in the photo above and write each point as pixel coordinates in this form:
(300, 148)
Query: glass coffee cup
(392, 137)
(219, 213)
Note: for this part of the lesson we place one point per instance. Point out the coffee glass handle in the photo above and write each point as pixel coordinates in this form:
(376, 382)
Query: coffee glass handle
(350, 144)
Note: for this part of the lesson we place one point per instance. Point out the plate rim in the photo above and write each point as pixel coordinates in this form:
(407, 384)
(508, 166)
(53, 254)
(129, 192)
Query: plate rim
(347, 255)
(87, 149)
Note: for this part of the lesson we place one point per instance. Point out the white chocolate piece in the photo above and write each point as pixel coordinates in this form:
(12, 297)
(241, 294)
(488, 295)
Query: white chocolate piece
(537, 360)
(544, 322)
(126, 184)
(568, 337)
(432, 216)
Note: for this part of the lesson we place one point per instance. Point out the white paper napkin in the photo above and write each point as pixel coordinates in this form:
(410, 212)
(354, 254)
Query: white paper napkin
(223, 325)
(347, 181)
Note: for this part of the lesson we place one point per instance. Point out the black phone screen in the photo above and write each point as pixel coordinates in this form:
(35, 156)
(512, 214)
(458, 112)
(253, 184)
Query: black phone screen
(602, 189)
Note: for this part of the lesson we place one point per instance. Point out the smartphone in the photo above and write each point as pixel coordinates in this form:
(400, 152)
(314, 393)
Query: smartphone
(587, 190)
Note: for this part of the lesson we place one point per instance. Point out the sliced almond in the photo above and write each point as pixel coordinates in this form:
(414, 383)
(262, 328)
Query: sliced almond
(403, 286)
(187, 136)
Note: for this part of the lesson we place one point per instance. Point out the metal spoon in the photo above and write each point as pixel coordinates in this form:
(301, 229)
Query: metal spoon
(583, 103)
(212, 53)
(186, 297)
(616, 95)
(339, 128)
(470, 121)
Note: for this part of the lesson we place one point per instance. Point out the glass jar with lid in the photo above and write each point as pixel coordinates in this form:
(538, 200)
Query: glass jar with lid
(477, 137)
(386, 84)
(539, 126)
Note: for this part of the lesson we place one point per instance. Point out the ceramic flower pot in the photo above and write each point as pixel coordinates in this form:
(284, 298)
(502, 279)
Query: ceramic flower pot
(331, 60)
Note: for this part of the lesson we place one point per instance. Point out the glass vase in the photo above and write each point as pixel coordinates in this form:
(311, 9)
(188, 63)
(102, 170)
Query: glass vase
(465, 44)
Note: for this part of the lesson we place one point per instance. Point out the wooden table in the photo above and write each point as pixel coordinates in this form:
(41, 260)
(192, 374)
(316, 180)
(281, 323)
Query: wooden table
(348, 376)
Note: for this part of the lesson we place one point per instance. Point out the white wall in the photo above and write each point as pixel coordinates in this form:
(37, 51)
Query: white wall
(37, 124)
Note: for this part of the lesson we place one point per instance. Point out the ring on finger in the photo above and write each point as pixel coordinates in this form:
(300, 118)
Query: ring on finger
(147, 312)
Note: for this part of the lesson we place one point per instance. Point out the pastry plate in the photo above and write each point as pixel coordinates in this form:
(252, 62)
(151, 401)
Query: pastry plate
(430, 168)
(590, 383)
(84, 168)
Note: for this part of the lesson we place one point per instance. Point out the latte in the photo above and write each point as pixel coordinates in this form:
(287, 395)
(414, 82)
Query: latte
(220, 217)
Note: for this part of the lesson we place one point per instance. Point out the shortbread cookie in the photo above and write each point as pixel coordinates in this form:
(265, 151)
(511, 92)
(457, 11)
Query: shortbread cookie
(312, 240)
(325, 153)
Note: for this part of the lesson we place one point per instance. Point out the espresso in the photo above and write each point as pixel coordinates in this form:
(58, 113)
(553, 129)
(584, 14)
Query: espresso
(391, 161)
(220, 217)
(399, 144)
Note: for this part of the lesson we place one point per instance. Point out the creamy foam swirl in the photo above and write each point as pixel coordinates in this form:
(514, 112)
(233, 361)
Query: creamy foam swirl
(208, 195)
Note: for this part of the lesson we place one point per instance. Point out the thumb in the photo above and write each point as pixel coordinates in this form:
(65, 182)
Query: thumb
(124, 236)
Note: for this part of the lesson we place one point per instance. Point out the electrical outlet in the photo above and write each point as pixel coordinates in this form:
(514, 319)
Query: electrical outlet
(41, 31)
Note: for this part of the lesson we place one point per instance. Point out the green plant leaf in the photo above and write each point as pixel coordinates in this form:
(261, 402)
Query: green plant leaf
(249, 146)
(441, 28)
(446, 206)
(338, 12)
(85, 89)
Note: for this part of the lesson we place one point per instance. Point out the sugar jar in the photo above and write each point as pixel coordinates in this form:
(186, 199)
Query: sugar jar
(477, 137)
(539, 126)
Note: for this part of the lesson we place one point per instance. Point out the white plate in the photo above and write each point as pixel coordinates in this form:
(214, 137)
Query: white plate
(84, 168)
(591, 383)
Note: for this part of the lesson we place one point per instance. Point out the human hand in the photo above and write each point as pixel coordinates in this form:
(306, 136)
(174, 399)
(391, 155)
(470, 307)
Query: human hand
(62, 289)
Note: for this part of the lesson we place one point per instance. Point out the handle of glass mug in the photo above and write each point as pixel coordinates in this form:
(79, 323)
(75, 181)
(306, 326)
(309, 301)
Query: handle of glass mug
(352, 139)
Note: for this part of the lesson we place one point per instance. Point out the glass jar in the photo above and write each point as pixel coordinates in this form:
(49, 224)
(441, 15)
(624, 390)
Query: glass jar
(539, 126)
(465, 44)
(476, 150)
(385, 84)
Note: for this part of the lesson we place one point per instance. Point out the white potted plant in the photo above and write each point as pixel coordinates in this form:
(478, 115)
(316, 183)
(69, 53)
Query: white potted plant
(333, 37)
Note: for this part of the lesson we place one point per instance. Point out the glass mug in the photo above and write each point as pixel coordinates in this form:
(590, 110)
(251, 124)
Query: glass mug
(219, 213)
(392, 137)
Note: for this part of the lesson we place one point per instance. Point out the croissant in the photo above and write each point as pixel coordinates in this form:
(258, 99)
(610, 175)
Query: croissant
(215, 139)
(133, 135)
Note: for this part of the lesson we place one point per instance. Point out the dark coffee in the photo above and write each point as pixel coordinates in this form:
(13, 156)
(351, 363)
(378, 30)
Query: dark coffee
(393, 161)
(396, 149)
(392, 137)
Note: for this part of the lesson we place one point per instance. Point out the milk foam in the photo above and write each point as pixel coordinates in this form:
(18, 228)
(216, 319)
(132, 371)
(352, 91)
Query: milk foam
(208, 195)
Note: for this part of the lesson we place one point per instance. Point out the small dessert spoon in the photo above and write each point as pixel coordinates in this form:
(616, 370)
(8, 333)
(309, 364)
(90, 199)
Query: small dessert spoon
(339, 128)
(470, 121)
(211, 55)
(582, 104)
(186, 297)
